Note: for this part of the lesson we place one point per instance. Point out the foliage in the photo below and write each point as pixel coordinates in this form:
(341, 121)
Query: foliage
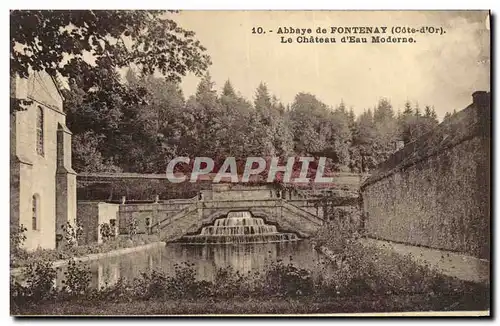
(138, 122)
(361, 269)
(309, 119)
(353, 269)
(338, 235)
(17, 238)
(87, 155)
(366, 274)
(107, 232)
(144, 137)
(288, 280)
(71, 234)
(39, 279)
(413, 125)
(228, 283)
(132, 227)
(76, 279)
(110, 118)
(151, 40)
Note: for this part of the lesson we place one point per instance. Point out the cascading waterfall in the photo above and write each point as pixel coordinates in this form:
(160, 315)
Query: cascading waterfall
(238, 227)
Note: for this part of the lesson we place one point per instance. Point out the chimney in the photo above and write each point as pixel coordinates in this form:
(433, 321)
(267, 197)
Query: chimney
(481, 99)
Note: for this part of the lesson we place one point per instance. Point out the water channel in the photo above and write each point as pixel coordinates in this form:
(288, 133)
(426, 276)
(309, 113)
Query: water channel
(206, 259)
(240, 241)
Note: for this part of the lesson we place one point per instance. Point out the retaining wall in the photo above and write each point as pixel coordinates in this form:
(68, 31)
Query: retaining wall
(436, 191)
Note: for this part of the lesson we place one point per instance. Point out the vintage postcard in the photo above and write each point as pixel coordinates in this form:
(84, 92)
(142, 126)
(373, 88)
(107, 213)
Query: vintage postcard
(322, 163)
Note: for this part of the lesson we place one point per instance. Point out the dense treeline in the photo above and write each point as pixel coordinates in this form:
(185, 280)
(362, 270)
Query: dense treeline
(139, 124)
(114, 136)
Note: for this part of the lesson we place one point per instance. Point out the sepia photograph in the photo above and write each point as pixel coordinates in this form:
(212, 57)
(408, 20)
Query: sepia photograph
(250, 163)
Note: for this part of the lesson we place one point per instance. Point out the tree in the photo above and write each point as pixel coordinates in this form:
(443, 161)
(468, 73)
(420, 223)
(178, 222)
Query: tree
(87, 155)
(352, 120)
(362, 153)
(406, 123)
(267, 115)
(310, 126)
(56, 40)
(433, 114)
(136, 138)
(387, 131)
(205, 91)
(340, 137)
(414, 125)
(152, 131)
(205, 113)
(407, 110)
(282, 136)
(417, 110)
(320, 131)
(263, 103)
(341, 107)
(237, 130)
(383, 111)
(427, 112)
(228, 90)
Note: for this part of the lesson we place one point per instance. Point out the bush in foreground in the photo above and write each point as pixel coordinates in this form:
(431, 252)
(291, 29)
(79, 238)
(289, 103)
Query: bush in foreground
(380, 276)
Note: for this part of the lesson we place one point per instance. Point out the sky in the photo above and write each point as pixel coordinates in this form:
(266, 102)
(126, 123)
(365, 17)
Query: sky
(438, 70)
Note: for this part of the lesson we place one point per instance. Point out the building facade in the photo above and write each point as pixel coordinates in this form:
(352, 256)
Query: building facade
(43, 183)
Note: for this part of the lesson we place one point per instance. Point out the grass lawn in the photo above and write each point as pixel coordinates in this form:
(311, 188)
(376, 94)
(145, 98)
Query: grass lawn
(353, 304)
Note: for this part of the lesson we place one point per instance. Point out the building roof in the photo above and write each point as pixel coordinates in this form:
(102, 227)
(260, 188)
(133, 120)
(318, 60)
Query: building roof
(472, 121)
(59, 84)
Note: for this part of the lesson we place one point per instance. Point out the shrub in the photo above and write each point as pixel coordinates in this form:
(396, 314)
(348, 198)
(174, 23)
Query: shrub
(150, 285)
(132, 227)
(38, 283)
(359, 269)
(183, 283)
(76, 279)
(287, 280)
(107, 232)
(17, 238)
(71, 234)
(355, 277)
(338, 235)
(228, 284)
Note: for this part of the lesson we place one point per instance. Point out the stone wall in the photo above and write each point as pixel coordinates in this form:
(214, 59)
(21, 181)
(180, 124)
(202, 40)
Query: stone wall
(436, 192)
(88, 218)
(155, 212)
(312, 206)
(184, 222)
(173, 218)
(91, 215)
(287, 217)
(238, 192)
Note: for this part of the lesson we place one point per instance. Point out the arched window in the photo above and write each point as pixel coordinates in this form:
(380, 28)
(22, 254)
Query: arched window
(35, 213)
(39, 131)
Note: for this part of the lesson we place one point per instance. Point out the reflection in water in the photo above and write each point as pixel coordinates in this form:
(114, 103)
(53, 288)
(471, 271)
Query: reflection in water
(206, 259)
(106, 275)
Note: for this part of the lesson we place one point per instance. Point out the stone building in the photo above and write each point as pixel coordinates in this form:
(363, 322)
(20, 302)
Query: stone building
(43, 184)
(435, 192)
